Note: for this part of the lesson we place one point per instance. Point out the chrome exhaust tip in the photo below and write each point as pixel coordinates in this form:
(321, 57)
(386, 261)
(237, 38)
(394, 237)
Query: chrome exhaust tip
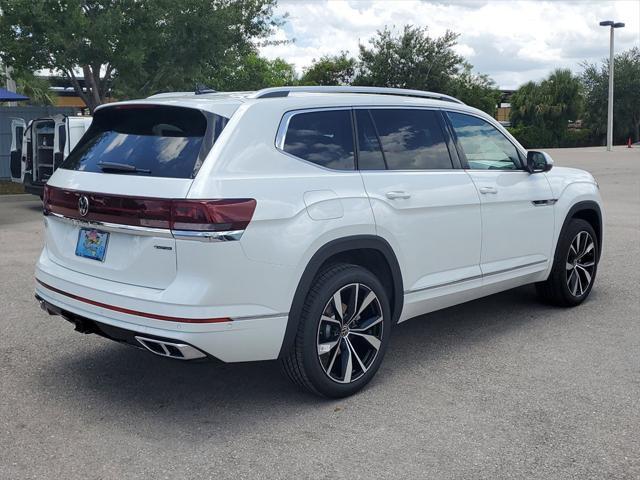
(180, 351)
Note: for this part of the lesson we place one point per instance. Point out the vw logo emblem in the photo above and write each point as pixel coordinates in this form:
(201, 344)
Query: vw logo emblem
(83, 205)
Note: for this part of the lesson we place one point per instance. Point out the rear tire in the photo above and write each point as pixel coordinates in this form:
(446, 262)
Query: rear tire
(574, 268)
(337, 351)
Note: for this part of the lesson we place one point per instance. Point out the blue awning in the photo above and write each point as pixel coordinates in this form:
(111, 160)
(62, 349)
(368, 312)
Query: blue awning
(7, 96)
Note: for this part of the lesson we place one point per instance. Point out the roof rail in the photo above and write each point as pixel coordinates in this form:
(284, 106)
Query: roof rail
(275, 92)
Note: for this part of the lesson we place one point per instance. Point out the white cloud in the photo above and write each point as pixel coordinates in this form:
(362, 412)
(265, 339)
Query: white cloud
(512, 41)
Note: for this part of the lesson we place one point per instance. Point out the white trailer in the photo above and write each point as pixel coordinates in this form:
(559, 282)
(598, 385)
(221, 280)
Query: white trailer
(40, 146)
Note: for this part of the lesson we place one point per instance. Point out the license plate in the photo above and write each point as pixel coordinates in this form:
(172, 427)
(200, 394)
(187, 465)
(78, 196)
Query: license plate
(92, 244)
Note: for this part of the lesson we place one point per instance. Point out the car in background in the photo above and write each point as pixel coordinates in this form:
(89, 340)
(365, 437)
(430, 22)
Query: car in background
(40, 146)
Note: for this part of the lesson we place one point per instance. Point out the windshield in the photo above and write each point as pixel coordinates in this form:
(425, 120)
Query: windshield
(146, 140)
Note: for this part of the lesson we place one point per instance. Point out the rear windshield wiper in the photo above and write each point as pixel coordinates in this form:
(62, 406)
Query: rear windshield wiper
(121, 167)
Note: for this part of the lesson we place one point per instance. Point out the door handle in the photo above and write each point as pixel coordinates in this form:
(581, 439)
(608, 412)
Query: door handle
(398, 194)
(485, 190)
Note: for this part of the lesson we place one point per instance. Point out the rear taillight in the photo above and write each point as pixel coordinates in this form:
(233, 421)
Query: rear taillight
(176, 214)
(212, 215)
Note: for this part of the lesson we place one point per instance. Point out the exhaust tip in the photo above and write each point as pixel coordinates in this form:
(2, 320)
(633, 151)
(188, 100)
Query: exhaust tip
(180, 351)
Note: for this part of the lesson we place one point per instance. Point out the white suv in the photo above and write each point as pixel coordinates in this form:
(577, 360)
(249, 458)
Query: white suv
(303, 223)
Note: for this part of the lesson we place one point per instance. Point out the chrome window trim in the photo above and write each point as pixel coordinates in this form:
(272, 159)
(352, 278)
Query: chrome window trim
(281, 134)
(224, 236)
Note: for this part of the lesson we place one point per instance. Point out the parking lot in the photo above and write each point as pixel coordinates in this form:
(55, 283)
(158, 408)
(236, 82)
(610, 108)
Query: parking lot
(503, 387)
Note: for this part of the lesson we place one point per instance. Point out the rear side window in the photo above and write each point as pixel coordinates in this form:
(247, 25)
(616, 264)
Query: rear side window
(411, 139)
(149, 140)
(322, 137)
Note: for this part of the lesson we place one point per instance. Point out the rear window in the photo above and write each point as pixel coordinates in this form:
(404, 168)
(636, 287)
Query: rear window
(146, 140)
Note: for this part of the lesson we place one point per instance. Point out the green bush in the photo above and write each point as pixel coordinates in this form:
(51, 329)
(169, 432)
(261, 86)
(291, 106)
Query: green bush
(536, 137)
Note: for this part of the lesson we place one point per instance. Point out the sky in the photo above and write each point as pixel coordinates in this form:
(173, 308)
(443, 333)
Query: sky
(511, 41)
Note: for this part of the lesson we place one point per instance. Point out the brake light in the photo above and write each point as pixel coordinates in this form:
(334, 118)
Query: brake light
(176, 214)
(212, 215)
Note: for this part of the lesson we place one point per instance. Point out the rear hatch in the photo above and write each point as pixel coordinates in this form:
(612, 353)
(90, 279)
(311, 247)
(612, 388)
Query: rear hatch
(109, 206)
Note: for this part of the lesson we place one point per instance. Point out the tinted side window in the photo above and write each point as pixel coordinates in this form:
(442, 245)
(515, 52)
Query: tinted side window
(412, 139)
(323, 137)
(370, 155)
(484, 146)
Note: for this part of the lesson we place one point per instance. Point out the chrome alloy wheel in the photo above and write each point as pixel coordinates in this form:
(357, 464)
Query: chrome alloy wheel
(581, 263)
(350, 333)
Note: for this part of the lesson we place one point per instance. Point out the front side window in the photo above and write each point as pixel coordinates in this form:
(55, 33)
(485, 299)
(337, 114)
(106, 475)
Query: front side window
(483, 145)
(323, 137)
(411, 139)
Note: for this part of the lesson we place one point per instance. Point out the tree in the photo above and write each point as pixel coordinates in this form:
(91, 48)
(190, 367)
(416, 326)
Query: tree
(410, 60)
(476, 90)
(545, 108)
(415, 60)
(626, 102)
(330, 70)
(36, 88)
(252, 72)
(136, 47)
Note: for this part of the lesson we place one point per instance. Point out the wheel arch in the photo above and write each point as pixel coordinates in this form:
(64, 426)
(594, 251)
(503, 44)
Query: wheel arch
(589, 211)
(369, 251)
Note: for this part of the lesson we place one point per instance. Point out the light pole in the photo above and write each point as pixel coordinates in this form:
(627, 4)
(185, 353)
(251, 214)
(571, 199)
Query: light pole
(612, 25)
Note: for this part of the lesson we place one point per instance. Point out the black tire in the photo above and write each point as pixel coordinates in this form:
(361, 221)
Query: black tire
(557, 289)
(305, 366)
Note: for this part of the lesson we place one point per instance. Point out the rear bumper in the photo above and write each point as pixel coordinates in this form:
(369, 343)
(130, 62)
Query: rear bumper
(85, 325)
(235, 340)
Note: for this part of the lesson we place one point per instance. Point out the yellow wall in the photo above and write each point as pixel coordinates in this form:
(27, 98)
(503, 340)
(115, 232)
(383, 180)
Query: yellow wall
(69, 102)
(502, 114)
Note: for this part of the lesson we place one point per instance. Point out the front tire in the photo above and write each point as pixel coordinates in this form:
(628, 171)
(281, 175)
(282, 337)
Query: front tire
(574, 267)
(343, 332)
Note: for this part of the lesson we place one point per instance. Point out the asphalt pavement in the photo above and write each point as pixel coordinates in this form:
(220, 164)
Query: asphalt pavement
(502, 387)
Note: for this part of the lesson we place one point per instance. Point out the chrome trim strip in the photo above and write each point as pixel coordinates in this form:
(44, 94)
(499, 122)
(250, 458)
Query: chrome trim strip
(260, 317)
(446, 284)
(543, 203)
(475, 277)
(114, 227)
(226, 236)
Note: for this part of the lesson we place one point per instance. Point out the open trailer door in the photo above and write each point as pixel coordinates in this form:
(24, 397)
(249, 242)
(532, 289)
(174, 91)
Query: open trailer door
(17, 165)
(59, 139)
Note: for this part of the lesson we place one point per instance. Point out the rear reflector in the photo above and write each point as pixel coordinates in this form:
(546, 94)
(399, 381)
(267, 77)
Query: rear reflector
(136, 313)
(176, 214)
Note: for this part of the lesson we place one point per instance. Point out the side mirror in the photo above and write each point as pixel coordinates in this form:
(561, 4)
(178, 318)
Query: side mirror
(538, 161)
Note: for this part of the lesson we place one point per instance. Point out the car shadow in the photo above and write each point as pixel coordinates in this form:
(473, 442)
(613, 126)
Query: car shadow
(111, 382)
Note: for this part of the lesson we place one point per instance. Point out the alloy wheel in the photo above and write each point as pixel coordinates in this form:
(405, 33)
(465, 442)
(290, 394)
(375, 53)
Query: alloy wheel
(350, 333)
(581, 263)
